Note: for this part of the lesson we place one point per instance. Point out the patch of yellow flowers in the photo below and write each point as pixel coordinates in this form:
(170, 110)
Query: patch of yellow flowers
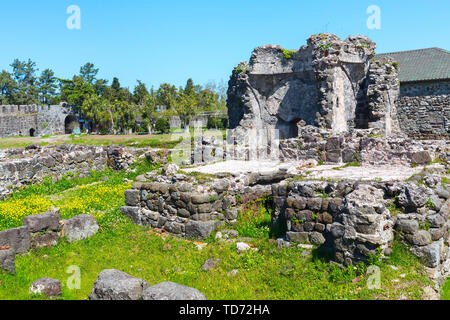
(88, 199)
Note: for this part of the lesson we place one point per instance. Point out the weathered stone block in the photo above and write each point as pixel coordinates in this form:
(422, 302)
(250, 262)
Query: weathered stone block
(43, 221)
(419, 238)
(172, 291)
(132, 213)
(421, 158)
(46, 287)
(132, 197)
(8, 261)
(81, 227)
(300, 237)
(407, 226)
(200, 229)
(117, 285)
(46, 240)
(316, 238)
(18, 239)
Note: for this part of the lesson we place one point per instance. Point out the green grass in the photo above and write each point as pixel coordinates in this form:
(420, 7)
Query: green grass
(269, 273)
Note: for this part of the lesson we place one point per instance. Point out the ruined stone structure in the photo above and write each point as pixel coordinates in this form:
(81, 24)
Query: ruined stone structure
(21, 167)
(33, 120)
(329, 83)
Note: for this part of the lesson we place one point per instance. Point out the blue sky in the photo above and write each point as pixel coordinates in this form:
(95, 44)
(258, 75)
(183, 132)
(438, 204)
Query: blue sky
(170, 41)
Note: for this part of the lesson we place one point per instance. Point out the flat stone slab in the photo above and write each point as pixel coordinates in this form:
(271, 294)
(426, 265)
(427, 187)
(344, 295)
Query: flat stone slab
(43, 221)
(365, 173)
(8, 261)
(46, 287)
(172, 291)
(79, 228)
(18, 239)
(113, 284)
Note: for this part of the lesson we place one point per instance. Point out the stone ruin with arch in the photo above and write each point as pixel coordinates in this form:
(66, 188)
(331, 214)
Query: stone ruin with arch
(34, 120)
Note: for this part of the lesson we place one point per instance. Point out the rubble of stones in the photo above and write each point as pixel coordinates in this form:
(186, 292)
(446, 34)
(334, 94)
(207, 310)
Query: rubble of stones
(353, 218)
(114, 284)
(42, 230)
(21, 167)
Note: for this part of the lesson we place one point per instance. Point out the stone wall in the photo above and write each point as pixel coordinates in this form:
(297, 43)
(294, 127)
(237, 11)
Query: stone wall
(21, 167)
(33, 120)
(193, 206)
(422, 116)
(352, 217)
(359, 145)
(425, 88)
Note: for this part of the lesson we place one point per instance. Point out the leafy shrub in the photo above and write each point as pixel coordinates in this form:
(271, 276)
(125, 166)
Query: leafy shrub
(162, 125)
(288, 54)
(217, 123)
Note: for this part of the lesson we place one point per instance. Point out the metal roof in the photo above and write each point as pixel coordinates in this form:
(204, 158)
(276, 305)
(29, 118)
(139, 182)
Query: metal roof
(421, 65)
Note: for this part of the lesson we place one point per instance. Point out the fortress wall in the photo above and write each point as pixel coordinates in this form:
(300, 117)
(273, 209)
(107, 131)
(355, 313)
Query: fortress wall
(27, 120)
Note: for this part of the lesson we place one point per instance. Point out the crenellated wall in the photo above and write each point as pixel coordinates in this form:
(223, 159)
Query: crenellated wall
(33, 120)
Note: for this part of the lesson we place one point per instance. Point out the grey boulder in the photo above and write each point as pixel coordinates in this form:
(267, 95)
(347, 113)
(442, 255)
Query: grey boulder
(46, 287)
(8, 261)
(43, 221)
(113, 284)
(18, 239)
(200, 229)
(172, 291)
(81, 227)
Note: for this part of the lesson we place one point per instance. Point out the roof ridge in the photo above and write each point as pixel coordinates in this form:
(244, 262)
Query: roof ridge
(414, 50)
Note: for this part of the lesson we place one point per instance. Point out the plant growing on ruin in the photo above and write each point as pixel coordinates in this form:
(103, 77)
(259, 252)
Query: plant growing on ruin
(288, 54)
(429, 204)
(425, 225)
(324, 46)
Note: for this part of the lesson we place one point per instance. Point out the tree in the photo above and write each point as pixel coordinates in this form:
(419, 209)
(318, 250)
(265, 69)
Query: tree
(89, 73)
(140, 93)
(162, 125)
(166, 95)
(115, 85)
(189, 88)
(75, 91)
(185, 107)
(47, 85)
(24, 73)
(8, 86)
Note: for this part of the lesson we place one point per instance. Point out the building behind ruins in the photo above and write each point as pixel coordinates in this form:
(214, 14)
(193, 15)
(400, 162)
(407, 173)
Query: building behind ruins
(33, 120)
(424, 104)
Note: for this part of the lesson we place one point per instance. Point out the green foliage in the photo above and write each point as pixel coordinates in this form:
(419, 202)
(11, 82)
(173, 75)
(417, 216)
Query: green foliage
(425, 225)
(217, 123)
(255, 221)
(394, 207)
(352, 164)
(288, 54)
(162, 125)
(324, 46)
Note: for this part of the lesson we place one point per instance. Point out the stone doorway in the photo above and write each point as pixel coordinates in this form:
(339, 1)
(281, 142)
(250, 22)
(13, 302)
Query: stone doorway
(71, 124)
